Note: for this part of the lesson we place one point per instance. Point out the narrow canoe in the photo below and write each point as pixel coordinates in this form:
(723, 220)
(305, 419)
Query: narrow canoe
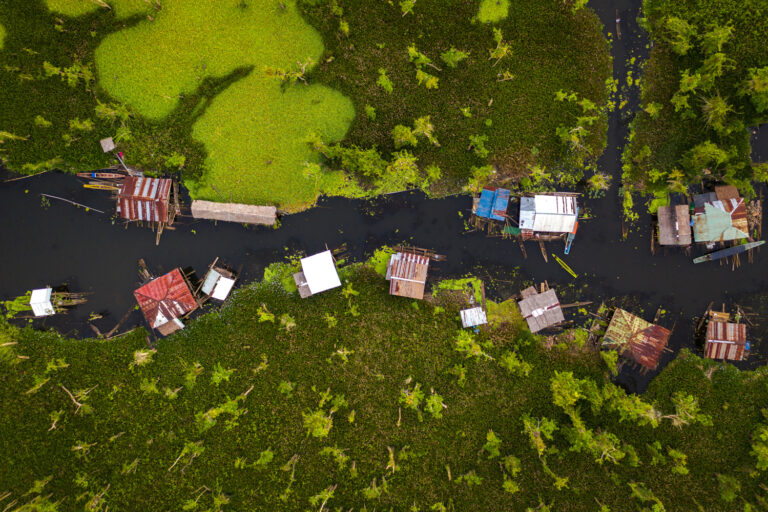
(728, 251)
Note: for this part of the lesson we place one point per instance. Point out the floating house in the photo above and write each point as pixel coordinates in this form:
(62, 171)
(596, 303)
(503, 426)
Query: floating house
(148, 200)
(720, 216)
(407, 273)
(473, 317)
(233, 212)
(318, 274)
(674, 225)
(47, 302)
(635, 339)
(165, 301)
(548, 217)
(491, 204)
(725, 339)
(540, 309)
(41, 302)
(218, 282)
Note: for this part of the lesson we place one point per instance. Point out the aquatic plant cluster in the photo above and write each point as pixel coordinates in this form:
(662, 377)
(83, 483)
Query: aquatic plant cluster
(357, 399)
(704, 87)
(253, 108)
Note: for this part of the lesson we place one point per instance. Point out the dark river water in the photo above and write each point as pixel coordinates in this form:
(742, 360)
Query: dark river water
(58, 243)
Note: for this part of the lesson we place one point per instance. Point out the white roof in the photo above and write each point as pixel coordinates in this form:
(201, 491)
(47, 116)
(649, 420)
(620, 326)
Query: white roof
(551, 214)
(320, 272)
(473, 317)
(40, 300)
(223, 287)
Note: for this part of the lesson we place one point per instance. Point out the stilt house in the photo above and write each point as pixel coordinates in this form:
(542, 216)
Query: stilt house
(148, 200)
(725, 340)
(674, 225)
(318, 274)
(218, 282)
(548, 216)
(407, 274)
(720, 216)
(165, 301)
(540, 310)
(635, 339)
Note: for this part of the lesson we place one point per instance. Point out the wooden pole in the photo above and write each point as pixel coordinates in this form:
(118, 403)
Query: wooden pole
(71, 202)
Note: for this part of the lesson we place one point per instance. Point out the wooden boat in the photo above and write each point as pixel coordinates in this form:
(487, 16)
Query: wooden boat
(728, 251)
(101, 175)
(569, 239)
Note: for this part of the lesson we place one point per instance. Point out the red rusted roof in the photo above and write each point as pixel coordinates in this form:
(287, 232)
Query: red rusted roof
(166, 298)
(147, 199)
(726, 340)
(646, 346)
(407, 273)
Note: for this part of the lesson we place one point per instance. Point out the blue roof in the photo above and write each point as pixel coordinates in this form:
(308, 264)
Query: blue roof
(493, 204)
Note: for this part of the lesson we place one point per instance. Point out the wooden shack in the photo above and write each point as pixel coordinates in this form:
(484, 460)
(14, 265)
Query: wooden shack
(725, 339)
(407, 274)
(674, 225)
(635, 339)
(318, 274)
(540, 309)
(720, 216)
(234, 212)
(473, 317)
(153, 201)
(165, 301)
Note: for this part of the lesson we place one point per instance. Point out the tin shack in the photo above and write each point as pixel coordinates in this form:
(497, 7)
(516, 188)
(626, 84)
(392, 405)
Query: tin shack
(318, 274)
(165, 301)
(153, 201)
(635, 339)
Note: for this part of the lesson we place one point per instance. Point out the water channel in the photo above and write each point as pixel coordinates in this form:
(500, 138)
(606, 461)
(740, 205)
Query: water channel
(58, 243)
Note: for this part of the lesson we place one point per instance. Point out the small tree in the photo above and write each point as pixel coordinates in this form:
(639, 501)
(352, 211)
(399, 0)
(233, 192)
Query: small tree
(502, 49)
(384, 82)
(492, 445)
(678, 34)
(757, 88)
(406, 6)
(404, 136)
(452, 57)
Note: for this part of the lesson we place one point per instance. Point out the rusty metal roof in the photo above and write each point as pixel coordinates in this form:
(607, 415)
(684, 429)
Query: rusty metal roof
(144, 199)
(636, 339)
(165, 299)
(407, 274)
(727, 332)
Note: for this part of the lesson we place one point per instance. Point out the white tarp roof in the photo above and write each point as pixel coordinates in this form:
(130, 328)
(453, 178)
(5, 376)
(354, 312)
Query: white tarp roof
(40, 300)
(223, 287)
(473, 317)
(320, 272)
(551, 214)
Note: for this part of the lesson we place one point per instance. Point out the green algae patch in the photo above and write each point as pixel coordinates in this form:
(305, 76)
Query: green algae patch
(492, 11)
(122, 8)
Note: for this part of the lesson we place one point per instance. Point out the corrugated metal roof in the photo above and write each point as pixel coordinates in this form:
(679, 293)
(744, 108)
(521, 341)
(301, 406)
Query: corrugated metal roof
(473, 317)
(234, 212)
(552, 214)
(493, 203)
(407, 274)
(166, 298)
(636, 339)
(40, 301)
(719, 221)
(674, 225)
(726, 340)
(144, 199)
(541, 310)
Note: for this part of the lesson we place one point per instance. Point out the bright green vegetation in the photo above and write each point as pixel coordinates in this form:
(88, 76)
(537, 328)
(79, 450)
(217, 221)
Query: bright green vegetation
(122, 8)
(258, 154)
(366, 401)
(525, 95)
(705, 85)
(492, 11)
(2, 37)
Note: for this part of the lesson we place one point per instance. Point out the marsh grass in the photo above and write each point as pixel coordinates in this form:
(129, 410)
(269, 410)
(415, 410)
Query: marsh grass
(217, 433)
